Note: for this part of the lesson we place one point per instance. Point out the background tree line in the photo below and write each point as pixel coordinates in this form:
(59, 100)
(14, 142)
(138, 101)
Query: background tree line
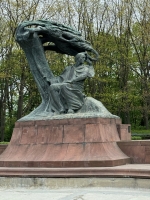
(118, 29)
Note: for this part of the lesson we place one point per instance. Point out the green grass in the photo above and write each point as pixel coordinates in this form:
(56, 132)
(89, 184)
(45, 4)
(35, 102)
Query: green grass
(4, 142)
(140, 131)
(142, 134)
(136, 138)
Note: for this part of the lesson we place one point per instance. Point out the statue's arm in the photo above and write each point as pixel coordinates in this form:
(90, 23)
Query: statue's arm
(80, 78)
(89, 72)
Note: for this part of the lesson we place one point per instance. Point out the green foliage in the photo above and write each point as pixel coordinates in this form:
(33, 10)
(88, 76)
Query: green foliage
(141, 131)
(140, 134)
(9, 128)
(121, 82)
(136, 138)
(4, 143)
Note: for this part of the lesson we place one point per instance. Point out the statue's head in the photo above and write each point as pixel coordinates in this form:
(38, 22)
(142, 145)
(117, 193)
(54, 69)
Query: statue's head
(81, 57)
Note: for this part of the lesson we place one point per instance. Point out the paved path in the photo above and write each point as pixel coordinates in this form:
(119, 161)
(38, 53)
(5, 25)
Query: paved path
(75, 194)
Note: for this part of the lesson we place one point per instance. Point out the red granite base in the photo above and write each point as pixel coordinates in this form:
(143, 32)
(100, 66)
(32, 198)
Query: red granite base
(85, 142)
(137, 150)
(3, 147)
(124, 171)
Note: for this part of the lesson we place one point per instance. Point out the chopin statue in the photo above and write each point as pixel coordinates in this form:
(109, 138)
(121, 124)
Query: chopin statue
(66, 90)
(63, 94)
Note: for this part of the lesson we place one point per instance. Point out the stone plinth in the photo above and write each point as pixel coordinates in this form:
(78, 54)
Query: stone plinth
(124, 131)
(84, 142)
(137, 150)
(3, 147)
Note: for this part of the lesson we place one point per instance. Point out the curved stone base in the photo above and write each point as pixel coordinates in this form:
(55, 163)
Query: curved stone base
(92, 108)
(85, 142)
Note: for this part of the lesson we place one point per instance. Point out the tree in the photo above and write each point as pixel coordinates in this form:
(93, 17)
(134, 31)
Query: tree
(118, 30)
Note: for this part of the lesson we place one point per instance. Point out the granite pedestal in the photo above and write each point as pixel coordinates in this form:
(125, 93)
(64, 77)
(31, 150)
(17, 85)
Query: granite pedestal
(63, 143)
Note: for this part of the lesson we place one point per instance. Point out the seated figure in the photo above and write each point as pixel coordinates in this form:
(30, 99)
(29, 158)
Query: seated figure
(66, 90)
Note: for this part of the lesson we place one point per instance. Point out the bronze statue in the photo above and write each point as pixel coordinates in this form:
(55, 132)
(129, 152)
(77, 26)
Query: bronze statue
(66, 91)
(62, 94)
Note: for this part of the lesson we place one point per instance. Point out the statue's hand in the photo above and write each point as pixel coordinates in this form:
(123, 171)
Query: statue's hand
(47, 80)
(89, 61)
